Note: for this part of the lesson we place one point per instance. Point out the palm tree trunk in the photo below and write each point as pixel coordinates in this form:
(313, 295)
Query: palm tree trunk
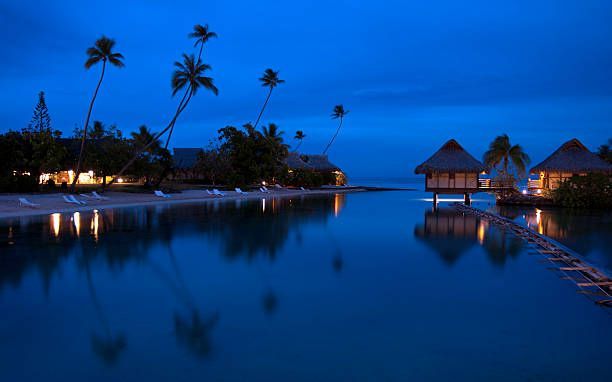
(263, 108)
(298, 146)
(182, 106)
(333, 138)
(93, 99)
(172, 128)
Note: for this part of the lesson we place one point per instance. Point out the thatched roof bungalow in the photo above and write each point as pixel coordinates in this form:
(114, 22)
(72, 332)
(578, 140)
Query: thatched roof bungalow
(451, 170)
(572, 158)
(316, 163)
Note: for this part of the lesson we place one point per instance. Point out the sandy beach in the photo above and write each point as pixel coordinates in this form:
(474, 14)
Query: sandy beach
(51, 203)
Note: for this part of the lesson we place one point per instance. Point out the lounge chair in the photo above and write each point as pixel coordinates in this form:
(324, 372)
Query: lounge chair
(303, 189)
(72, 200)
(238, 190)
(217, 192)
(263, 190)
(278, 186)
(160, 194)
(23, 202)
(98, 196)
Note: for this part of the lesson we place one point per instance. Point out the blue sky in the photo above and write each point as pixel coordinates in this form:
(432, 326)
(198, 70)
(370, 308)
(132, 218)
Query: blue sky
(412, 74)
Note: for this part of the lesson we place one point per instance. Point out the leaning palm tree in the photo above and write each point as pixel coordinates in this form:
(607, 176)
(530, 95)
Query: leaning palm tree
(299, 136)
(270, 80)
(202, 35)
(338, 113)
(101, 51)
(189, 75)
(501, 151)
(273, 134)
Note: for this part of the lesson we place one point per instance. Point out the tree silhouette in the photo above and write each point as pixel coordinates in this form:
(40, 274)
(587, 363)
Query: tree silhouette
(270, 80)
(101, 51)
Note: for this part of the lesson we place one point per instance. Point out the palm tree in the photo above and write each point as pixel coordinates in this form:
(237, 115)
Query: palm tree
(101, 51)
(338, 113)
(189, 75)
(273, 134)
(299, 136)
(502, 152)
(202, 35)
(270, 80)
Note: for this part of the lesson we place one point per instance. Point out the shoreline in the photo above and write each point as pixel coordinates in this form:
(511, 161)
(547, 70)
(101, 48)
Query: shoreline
(53, 203)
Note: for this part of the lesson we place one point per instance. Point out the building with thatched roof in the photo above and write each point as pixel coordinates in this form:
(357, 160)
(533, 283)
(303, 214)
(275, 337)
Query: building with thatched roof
(572, 158)
(316, 163)
(185, 161)
(451, 170)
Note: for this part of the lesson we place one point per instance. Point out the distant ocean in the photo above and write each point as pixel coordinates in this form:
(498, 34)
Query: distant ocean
(390, 182)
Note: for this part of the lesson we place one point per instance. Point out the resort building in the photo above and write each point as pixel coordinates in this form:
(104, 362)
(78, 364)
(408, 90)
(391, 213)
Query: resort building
(185, 160)
(316, 163)
(572, 158)
(451, 170)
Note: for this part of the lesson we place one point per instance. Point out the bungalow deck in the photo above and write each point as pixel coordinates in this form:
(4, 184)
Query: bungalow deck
(591, 281)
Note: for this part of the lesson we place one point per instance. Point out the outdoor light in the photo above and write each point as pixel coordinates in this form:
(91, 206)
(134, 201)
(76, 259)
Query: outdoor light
(119, 180)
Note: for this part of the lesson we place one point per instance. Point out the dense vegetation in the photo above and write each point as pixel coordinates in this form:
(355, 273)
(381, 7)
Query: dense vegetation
(591, 191)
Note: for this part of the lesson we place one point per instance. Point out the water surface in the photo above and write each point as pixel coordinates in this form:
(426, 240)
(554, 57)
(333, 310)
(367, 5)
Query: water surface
(357, 287)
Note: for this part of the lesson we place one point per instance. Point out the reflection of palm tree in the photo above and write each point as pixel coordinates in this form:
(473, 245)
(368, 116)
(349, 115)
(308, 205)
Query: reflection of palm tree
(499, 245)
(194, 332)
(269, 302)
(190, 330)
(107, 346)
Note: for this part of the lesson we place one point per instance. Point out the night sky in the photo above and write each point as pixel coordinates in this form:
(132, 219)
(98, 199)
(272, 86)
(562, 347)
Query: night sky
(412, 74)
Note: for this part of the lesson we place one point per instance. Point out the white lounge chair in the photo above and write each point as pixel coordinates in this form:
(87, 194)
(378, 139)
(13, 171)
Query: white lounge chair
(263, 190)
(86, 196)
(303, 189)
(217, 192)
(278, 186)
(160, 194)
(238, 190)
(23, 202)
(72, 200)
(98, 196)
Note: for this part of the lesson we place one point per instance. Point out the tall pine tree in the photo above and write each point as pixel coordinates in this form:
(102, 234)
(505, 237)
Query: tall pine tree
(41, 121)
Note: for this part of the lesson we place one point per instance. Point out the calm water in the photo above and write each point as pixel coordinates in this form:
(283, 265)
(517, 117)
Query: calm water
(361, 287)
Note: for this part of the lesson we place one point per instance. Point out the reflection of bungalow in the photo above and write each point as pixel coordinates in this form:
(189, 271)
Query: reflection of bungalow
(451, 170)
(572, 158)
(185, 160)
(316, 163)
(450, 233)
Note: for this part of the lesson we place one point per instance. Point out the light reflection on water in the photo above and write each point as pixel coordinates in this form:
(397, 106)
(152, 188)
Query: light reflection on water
(286, 289)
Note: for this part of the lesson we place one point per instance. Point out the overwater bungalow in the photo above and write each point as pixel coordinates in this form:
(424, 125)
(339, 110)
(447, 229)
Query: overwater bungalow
(572, 158)
(316, 163)
(451, 170)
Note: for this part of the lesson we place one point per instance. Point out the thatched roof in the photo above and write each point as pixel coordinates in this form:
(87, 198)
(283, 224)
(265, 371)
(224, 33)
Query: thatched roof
(297, 161)
(572, 157)
(186, 158)
(450, 158)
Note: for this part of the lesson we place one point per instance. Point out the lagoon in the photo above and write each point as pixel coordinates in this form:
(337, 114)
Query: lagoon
(361, 287)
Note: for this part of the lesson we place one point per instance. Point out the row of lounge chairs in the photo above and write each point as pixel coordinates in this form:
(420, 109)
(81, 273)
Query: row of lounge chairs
(24, 202)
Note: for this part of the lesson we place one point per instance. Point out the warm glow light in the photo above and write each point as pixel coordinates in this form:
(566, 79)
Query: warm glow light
(95, 224)
(481, 232)
(119, 180)
(539, 191)
(76, 219)
(524, 192)
(55, 223)
(539, 221)
(263, 205)
(91, 173)
(263, 183)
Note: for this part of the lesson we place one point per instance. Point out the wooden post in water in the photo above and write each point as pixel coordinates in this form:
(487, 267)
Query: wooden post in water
(466, 199)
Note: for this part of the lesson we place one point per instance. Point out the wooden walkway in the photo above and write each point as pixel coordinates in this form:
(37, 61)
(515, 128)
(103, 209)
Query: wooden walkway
(591, 281)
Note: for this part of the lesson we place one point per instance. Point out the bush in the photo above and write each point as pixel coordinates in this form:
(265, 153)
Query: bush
(18, 183)
(590, 191)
